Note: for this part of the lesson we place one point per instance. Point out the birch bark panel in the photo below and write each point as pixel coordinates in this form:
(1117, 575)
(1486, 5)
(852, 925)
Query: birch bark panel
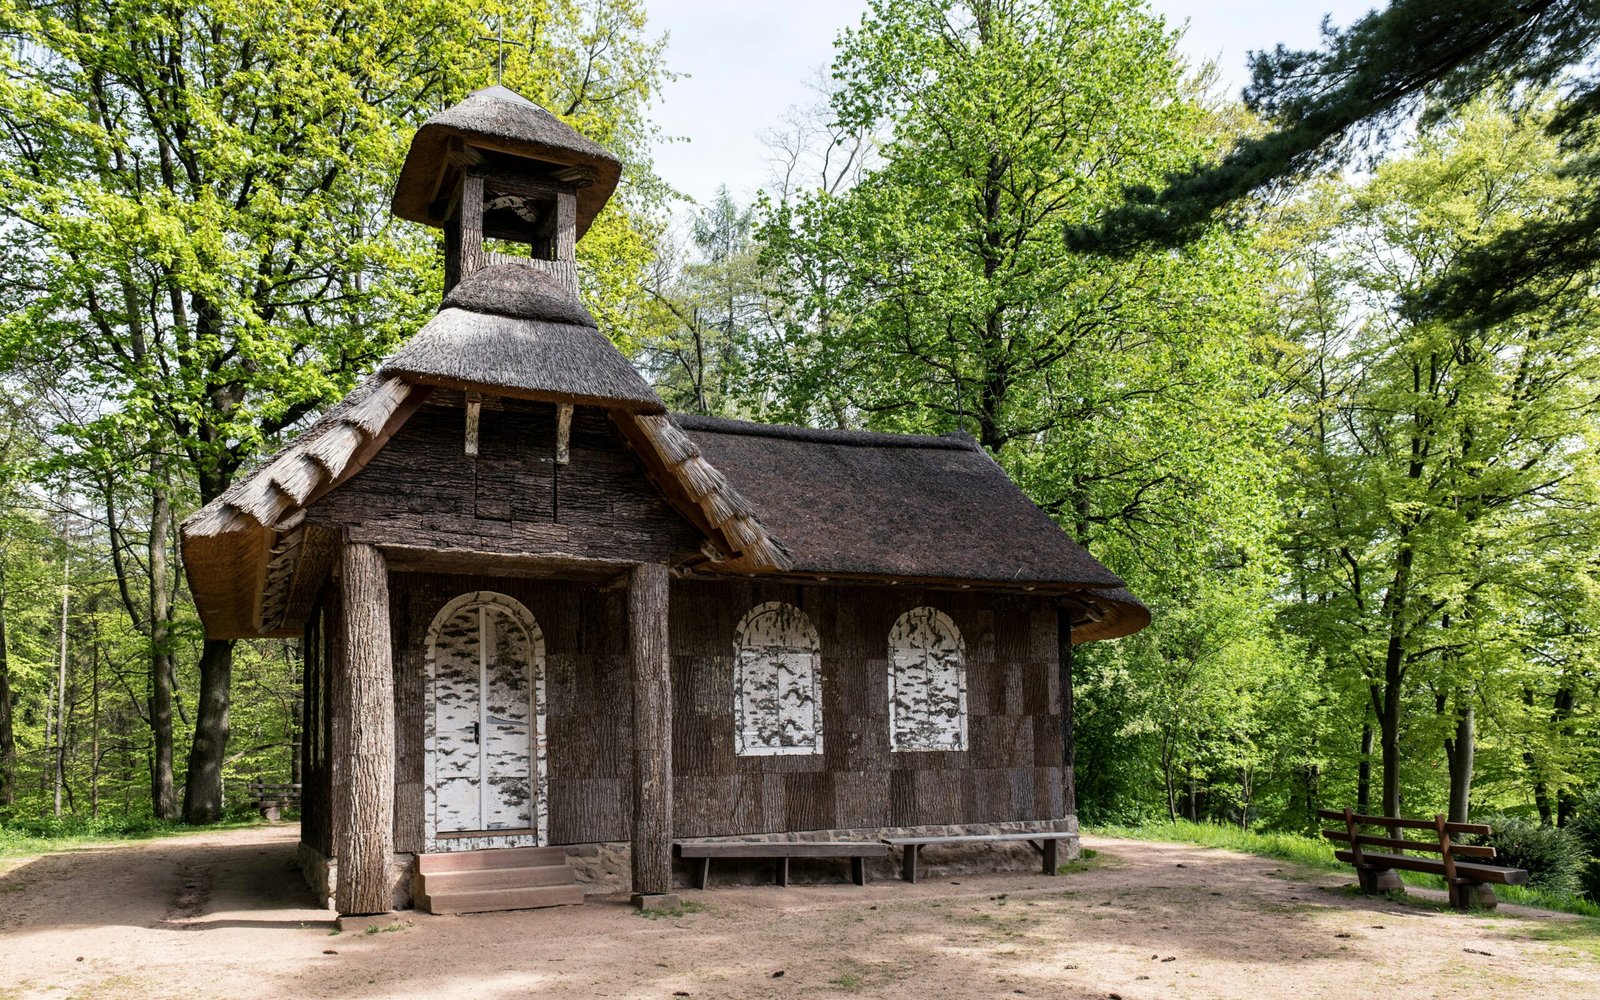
(508, 721)
(456, 768)
(927, 682)
(777, 684)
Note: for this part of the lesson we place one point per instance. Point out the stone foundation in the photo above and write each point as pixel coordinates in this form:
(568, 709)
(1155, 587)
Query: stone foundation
(322, 875)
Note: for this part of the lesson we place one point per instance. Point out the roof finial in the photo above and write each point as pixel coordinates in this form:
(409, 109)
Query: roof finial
(500, 41)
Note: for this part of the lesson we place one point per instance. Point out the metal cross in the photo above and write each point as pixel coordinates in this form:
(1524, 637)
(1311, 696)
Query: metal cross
(500, 40)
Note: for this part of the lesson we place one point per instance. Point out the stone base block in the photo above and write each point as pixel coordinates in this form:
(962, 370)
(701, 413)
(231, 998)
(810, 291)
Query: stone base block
(372, 923)
(657, 901)
(1379, 880)
(1473, 896)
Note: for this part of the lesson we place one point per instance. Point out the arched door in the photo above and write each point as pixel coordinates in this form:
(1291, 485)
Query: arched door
(485, 668)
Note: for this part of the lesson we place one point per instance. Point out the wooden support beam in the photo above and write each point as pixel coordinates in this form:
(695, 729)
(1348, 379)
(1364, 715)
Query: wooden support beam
(364, 698)
(1069, 761)
(652, 730)
(474, 414)
(471, 219)
(563, 433)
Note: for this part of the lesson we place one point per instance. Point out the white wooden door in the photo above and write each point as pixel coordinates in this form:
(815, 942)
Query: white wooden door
(483, 714)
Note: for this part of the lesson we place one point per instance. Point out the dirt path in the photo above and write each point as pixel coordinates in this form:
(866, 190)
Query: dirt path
(227, 915)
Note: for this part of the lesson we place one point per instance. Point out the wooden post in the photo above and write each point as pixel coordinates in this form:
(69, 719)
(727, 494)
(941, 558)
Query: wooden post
(365, 743)
(1069, 762)
(1449, 859)
(652, 731)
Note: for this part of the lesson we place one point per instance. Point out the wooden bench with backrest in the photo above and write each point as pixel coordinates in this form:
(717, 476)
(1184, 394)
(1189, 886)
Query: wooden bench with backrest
(1470, 884)
(780, 853)
(271, 798)
(1045, 843)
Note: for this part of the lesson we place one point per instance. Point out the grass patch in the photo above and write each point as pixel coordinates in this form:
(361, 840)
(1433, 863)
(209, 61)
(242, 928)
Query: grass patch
(1582, 936)
(687, 906)
(855, 976)
(1082, 863)
(26, 839)
(1315, 852)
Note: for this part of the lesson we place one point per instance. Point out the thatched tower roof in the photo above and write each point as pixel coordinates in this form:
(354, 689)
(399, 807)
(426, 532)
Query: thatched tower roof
(935, 510)
(500, 121)
(512, 330)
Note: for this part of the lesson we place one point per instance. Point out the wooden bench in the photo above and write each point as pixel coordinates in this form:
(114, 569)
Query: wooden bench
(780, 854)
(271, 798)
(1470, 885)
(1045, 843)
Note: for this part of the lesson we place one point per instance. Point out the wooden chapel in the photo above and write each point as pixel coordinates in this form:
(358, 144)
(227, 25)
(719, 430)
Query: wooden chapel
(546, 621)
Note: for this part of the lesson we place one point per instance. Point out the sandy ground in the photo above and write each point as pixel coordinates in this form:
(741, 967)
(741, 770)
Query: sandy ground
(226, 915)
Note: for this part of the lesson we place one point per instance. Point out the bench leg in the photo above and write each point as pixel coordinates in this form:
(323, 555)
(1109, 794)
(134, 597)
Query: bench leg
(858, 870)
(699, 872)
(908, 862)
(780, 874)
(1050, 851)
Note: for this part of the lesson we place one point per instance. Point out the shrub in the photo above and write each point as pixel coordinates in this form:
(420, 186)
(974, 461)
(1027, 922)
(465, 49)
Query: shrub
(1585, 825)
(1555, 858)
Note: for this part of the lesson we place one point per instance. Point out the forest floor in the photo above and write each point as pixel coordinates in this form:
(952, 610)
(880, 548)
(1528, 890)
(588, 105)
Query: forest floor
(227, 915)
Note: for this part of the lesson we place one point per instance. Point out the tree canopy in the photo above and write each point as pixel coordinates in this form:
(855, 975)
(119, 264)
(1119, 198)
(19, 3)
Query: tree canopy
(1427, 57)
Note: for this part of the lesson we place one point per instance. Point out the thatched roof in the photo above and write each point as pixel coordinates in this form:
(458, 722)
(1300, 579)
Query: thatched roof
(1107, 614)
(239, 549)
(857, 505)
(501, 120)
(512, 330)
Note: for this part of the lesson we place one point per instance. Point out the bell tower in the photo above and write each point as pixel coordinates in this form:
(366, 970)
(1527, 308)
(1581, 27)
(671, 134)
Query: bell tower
(499, 169)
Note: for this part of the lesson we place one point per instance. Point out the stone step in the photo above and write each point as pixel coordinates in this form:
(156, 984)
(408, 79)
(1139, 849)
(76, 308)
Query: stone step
(475, 879)
(489, 900)
(500, 857)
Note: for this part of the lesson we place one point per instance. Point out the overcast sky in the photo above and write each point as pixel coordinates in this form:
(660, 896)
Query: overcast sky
(747, 61)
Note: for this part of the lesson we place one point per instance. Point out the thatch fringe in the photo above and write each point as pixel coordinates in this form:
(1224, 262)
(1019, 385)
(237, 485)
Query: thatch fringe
(263, 497)
(723, 507)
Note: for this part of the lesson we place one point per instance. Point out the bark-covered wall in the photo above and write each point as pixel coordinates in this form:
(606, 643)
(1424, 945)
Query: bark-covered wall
(1010, 771)
(423, 489)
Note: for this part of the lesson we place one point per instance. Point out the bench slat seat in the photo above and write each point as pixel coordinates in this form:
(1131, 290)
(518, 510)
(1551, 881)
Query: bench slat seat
(911, 847)
(780, 852)
(837, 849)
(978, 838)
(1432, 866)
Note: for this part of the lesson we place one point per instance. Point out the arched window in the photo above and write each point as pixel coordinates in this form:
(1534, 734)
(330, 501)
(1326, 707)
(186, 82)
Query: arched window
(777, 682)
(927, 683)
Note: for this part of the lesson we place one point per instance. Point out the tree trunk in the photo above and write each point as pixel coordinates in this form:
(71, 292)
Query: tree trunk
(364, 697)
(163, 799)
(1459, 752)
(202, 792)
(1069, 743)
(61, 684)
(652, 730)
(1364, 771)
(94, 730)
(8, 739)
(1167, 780)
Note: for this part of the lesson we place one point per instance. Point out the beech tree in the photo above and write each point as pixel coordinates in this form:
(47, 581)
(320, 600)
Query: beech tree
(197, 238)
(1448, 482)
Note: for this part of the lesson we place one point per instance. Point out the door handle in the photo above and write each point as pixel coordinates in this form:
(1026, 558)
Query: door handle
(477, 732)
